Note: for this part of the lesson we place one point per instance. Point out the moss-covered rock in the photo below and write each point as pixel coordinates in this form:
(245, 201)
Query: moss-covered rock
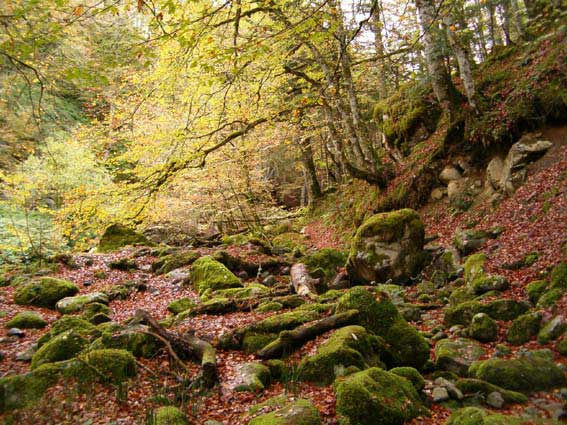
(387, 246)
(134, 339)
(269, 306)
(483, 328)
(484, 284)
(170, 262)
(45, 292)
(549, 298)
(75, 304)
(61, 347)
(478, 386)
(552, 330)
(111, 365)
(123, 264)
(411, 375)
(324, 263)
(376, 397)
(180, 305)
(348, 346)
(250, 290)
(524, 374)
(251, 377)
(78, 324)
(290, 241)
(27, 320)
(207, 273)
(561, 347)
(457, 355)
(117, 236)
(300, 412)
(536, 289)
(558, 277)
(92, 310)
(379, 315)
(170, 415)
(474, 267)
(477, 416)
(500, 309)
(524, 328)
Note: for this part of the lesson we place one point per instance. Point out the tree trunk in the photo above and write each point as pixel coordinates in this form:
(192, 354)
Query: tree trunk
(517, 19)
(433, 44)
(290, 340)
(313, 186)
(506, 15)
(302, 282)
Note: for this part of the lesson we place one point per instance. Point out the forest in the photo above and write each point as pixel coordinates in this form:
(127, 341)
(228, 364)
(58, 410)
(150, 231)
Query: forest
(283, 212)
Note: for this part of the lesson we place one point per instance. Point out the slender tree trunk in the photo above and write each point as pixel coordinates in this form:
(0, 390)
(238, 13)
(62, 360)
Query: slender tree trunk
(379, 49)
(432, 39)
(517, 19)
(313, 186)
(492, 24)
(505, 13)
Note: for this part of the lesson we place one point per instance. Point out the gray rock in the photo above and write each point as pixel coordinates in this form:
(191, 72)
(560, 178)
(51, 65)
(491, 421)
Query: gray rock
(457, 355)
(270, 281)
(251, 377)
(449, 174)
(438, 193)
(77, 303)
(552, 330)
(26, 355)
(451, 388)
(495, 399)
(440, 394)
(177, 276)
(16, 332)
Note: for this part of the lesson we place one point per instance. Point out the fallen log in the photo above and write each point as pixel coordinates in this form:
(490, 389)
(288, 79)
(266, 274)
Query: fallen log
(185, 347)
(290, 340)
(302, 282)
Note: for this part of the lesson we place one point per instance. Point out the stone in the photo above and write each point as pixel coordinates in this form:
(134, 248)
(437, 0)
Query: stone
(457, 355)
(449, 173)
(170, 415)
(483, 328)
(300, 412)
(552, 330)
(376, 397)
(177, 276)
(61, 347)
(117, 236)
(438, 193)
(440, 394)
(495, 399)
(27, 320)
(207, 273)
(75, 304)
(468, 241)
(451, 388)
(27, 354)
(253, 377)
(270, 281)
(387, 246)
(45, 292)
(16, 332)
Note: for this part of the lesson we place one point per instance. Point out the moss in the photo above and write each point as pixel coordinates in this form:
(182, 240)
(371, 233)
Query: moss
(475, 386)
(525, 374)
(27, 320)
(411, 375)
(300, 412)
(93, 309)
(325, 262)
(348, 346)
(330, 296)
(134, 339)
(500, 309)
(477, 416)
(550, 298)
(278, 368)
(277, 401)
(483, 328)
(558, 277)
(379, 315)
(536, 289)
(78, 324)
(45, 292)
(285, 321)
(524, 328)
(170, 415)
(207, 273)
(62, 347)
(474, 267)
(376, 397)
(124, 264)
(20, 391)
(117, 236)
(269, 306)
(248, 291)
(180, 305)
(290, 241)
(552, 330)
(170, 262)
(113, 364)
(254, 341)
(561, 347)
(460, 295)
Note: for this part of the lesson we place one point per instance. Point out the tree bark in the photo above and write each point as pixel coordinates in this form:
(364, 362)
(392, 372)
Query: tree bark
(290, 340)
(186, 347)
(313, 186)
(302, 282)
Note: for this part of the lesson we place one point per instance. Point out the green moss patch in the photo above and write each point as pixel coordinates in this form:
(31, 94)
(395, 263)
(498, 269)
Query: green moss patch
(117, 236)
(45, 292)
(207, 273)
(27, 320)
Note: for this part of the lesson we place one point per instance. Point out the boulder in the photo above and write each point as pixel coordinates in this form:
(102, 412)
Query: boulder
(27, 320)
(207, 273)
(324, 264)
(45, 292)
(387, 246)
(500, 309)
(524, 374)
(381, 317)
(536, 289)
(170, 415)
(558, 277)
(347, 347)
(62, 347)
(117, 236)
(477, 416)
(69, 305)
(470, 386)
(552, 330)
(75, 323)
(180, 305)
(483, 328)
(134, 339)
(411, 375)
(484, 284)
(376, 397)
(468, 241)
(300, 412)
(524, 328)
(449, 173)
(252, 377)
(168, 263)
(457, 355)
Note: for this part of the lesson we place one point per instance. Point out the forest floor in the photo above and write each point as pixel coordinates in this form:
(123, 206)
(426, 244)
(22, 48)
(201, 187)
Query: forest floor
(534, 219)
